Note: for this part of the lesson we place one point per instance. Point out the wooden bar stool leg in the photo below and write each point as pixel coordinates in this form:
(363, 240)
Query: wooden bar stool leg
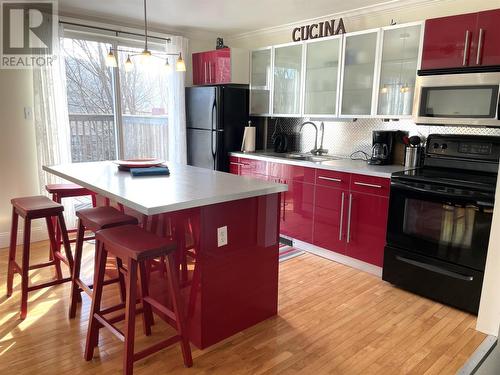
(179, 316)
(147, 316)
(75, 288)
(65, 238)
(93, 330)
(53, 247)
(12, 251)
(56, 198)
(121, 279)
(25, 268)
(128, 358)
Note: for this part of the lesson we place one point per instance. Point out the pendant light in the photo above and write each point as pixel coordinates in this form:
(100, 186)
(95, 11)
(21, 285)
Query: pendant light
(146, 55)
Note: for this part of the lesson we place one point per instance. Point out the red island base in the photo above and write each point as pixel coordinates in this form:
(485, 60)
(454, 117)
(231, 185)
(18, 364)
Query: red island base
(227, 288)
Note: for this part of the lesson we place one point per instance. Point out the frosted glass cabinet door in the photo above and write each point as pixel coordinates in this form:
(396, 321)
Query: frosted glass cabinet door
(287, 78)
(260, 82)
(398, 70)
(359, 65)
(322, 68)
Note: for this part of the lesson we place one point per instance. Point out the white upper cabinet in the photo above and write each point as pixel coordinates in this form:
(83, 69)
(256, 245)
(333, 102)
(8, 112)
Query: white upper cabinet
(287, 80)
(322, 77)
(260, 82)
(398, 69)
(359, 68)
(368, 73)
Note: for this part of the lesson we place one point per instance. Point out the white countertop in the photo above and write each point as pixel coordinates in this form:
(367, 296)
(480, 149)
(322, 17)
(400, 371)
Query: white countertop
(186, 187)
(340, 165)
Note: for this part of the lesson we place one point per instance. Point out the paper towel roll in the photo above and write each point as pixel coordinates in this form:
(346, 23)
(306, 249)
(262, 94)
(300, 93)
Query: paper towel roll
(248, 144)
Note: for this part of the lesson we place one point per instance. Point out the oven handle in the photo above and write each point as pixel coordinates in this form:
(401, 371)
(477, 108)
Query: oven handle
(482, 202)
(436, 269)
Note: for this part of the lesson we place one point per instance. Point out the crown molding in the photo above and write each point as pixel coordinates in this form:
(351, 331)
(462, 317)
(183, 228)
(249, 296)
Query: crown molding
(380, 8)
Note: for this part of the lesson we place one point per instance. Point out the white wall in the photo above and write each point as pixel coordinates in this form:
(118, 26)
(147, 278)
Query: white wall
(18, 160)
(489, 314)
(355, 21)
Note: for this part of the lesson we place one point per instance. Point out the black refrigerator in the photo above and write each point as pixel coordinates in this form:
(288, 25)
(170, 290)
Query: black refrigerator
(215, 118)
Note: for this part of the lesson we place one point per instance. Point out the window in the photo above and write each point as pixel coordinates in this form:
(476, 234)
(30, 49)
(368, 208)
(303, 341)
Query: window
(114, 113)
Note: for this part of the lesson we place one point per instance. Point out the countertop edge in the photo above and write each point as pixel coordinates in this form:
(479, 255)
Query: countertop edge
(303, 163)
(278, 188)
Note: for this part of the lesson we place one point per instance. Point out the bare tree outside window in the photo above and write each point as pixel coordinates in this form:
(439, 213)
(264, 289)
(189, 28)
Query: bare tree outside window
(92, 114)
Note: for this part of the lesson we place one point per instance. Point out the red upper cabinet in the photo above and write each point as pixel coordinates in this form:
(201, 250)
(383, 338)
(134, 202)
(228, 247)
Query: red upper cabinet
(221, 66)
(488, 47)
(446, 44)
(465, 40)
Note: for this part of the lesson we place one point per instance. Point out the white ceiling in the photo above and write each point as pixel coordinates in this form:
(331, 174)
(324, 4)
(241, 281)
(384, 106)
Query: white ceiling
(227, 17)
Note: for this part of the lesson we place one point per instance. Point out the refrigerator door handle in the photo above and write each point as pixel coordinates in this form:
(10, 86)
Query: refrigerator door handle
(214, 134)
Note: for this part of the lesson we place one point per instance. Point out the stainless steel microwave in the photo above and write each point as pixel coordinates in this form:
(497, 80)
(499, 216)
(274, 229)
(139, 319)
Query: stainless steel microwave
(458, 99)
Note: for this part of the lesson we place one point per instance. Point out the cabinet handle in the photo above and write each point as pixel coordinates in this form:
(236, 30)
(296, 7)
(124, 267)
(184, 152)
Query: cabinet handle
(205, 75)
(210, 72)
(235, 163)
(368, 185)
(341, 217)
(480, 47)
(466, 47)
(349, 219)
(330, 179)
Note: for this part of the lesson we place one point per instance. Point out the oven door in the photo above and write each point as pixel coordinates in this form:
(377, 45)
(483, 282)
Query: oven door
(448, 224)
(458, 99)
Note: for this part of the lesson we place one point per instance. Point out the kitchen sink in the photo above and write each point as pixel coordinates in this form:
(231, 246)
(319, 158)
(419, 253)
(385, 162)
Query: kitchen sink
(309, 157)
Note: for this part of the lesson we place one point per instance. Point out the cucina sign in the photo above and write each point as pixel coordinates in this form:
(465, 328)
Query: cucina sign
(318, 30)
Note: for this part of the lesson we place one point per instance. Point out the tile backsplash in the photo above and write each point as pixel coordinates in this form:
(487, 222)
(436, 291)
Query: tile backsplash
(342, 138)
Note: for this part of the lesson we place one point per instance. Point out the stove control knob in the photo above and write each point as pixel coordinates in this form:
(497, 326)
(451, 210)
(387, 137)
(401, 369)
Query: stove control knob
(444, 146)
(435, 145)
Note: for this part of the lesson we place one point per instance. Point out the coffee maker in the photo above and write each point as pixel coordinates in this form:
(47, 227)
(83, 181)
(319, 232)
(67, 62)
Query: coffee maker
(382, 147)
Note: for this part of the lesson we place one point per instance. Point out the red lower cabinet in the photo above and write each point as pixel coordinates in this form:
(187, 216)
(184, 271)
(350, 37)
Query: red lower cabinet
(330, 213)
(234, 165)
(297, 211)
(366, 227)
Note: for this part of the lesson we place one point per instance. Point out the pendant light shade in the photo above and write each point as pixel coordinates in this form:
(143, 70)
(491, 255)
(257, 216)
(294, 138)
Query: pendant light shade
(180, 65)
(111, 59)
(129, 66)
(167, 67)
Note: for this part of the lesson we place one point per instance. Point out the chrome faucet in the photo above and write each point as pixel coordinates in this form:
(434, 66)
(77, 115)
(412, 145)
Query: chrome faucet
(316, 150)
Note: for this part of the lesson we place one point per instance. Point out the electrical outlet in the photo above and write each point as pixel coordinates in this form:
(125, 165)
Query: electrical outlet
(28, 113)
(222, 236)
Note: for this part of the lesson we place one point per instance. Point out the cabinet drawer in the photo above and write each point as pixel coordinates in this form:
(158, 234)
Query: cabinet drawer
(332, 178)
(370, 184)
(234, 165)
(251, 166)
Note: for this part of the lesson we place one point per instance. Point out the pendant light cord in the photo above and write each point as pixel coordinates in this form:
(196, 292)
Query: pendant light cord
(145, 28)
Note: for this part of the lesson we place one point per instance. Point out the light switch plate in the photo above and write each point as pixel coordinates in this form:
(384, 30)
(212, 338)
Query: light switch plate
(222, 236)
(28, 113)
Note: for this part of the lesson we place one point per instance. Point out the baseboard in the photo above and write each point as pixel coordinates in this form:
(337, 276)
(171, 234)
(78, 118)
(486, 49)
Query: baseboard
(348, 261)
(37, 234)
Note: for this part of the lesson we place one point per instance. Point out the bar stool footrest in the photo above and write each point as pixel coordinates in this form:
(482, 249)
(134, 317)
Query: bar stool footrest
(49, 283)
(156, 347)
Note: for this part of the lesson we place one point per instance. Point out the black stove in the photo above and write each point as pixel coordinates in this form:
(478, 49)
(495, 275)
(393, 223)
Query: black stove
(440, 220)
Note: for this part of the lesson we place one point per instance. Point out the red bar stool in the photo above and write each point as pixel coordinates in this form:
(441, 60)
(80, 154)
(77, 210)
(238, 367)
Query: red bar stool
(61, 191)
(30, 208)
(135, 247)
(95, 219)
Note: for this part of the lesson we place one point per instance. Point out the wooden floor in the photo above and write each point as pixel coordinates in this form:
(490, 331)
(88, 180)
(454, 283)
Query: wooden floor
(332, 320)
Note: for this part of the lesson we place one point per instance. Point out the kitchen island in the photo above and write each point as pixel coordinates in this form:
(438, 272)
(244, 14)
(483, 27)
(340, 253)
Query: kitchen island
(227, 230)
